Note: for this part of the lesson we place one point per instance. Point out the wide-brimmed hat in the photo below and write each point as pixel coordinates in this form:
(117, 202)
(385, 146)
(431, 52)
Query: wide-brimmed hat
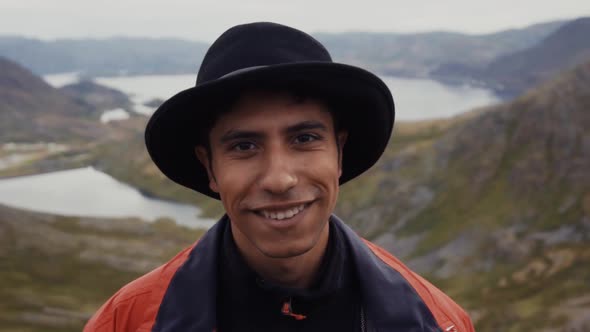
(259, 55)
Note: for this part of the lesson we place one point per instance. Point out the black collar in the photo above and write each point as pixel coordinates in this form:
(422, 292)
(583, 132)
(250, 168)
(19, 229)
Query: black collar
(390, 302)
(335, 271)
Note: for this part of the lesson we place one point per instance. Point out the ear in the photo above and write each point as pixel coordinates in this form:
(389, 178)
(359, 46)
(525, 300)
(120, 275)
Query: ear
(341, 137)
(203, 157)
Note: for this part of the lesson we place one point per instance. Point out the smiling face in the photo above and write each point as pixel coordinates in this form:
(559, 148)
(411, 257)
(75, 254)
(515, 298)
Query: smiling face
(275, 163)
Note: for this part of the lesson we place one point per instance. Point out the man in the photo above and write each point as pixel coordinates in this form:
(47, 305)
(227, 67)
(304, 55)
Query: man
(272, 128)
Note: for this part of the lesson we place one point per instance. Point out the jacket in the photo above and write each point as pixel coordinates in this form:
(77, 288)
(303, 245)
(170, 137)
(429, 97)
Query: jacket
(181, 294)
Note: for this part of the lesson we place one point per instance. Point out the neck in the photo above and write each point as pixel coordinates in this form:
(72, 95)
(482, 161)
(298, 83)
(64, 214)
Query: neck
(294, 272)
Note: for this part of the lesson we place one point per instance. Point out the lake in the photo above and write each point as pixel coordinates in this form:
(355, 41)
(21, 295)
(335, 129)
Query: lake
(415, 99)
(88, 192)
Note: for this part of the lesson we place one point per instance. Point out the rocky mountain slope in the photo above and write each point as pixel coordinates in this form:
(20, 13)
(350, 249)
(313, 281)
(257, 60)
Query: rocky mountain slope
(513, 73)
(494, 207)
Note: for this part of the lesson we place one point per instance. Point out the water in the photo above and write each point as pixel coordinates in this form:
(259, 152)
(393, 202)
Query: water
(88, 192)
(415, 99)
(422, 99)
(114, 115)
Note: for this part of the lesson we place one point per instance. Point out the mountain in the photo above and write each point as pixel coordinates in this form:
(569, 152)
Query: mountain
(89, 94)
(32, 110)
(494, 206)
(105, 57)
(414, 55)
(511, 74)
(417, 55)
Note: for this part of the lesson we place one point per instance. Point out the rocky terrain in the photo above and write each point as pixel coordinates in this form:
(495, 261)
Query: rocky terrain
(493, 206)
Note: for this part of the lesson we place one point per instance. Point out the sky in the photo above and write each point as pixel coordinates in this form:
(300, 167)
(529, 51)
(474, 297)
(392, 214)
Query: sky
(205, 20)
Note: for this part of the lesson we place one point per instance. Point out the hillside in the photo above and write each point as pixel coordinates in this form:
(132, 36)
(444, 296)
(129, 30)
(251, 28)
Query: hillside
(563, 49)
(56, 271)
(91, 95)
(511, 74)
(33, 110)
(494, 207)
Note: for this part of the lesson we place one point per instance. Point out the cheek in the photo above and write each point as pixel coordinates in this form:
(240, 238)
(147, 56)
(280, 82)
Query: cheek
(325, 172)
(233, 180)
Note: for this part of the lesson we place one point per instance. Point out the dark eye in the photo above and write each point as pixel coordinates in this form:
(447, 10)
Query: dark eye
(305, 138)
(244, 146)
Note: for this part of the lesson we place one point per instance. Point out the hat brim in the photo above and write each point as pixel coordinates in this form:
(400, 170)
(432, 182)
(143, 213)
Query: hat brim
(363, 101)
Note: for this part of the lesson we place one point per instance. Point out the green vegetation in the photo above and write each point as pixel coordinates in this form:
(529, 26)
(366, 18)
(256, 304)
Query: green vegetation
(56, 271)
(506, 229)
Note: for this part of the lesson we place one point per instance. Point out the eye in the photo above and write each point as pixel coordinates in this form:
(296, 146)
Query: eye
(243, 146)
(305, 138)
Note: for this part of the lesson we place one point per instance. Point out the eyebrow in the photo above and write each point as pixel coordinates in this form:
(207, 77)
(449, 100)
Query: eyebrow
(306, 125)
(236, 134)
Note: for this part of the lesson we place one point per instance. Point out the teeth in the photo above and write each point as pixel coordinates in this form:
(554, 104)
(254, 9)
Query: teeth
(286, 214)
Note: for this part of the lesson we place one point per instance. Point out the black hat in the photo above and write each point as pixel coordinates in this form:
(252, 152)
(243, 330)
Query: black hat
(269, 55)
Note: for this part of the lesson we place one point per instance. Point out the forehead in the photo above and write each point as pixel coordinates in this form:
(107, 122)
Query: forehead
(267, 110)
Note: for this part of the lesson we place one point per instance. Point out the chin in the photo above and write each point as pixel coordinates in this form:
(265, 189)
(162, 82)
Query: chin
(282, 252)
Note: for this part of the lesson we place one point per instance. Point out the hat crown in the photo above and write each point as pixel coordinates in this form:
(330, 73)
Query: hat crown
(259, 44)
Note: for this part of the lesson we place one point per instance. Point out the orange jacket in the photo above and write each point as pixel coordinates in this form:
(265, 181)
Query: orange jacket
(180, 295)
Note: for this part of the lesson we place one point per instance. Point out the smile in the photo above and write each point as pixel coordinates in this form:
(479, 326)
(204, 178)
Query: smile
(282, 214)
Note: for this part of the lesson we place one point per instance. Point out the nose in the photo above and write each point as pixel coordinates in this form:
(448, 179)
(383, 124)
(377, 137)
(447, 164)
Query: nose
(278, 175)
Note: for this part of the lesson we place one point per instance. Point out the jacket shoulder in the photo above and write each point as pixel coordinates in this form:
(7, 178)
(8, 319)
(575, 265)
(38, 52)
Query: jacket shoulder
(448, 314)
(135, 306)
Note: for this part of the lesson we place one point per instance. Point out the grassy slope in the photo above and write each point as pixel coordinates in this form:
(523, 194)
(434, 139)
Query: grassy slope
(56, 271)
(504, 181)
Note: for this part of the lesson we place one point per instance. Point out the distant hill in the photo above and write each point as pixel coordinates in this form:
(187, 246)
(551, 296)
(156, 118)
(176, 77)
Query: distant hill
(105, 57)
(414, 55)
(513, 73)
(89, 94)
(417, 55)
(31, 110)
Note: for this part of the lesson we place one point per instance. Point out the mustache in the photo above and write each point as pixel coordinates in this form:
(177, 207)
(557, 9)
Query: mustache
(265, 198)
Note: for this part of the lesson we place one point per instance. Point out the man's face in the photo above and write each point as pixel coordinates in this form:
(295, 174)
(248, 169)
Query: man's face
(275, 163)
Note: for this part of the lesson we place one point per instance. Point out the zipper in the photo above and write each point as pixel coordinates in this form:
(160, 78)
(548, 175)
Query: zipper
(363, 323)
